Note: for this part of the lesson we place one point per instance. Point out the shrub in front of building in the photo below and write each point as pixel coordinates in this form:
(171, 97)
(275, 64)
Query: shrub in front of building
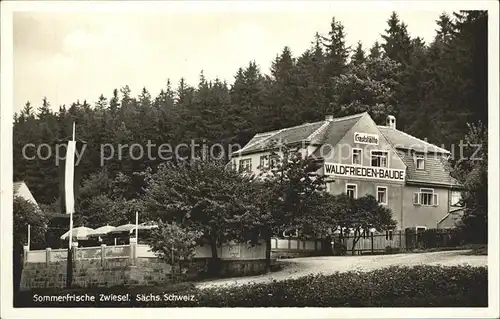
(420, 286)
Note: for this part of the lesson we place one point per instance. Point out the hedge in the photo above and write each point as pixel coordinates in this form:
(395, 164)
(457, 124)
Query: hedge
(420, 286)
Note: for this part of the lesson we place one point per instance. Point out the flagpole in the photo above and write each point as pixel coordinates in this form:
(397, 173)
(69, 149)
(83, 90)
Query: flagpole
(70, 203)
(71, 211)
(136, 227)
(29, 236)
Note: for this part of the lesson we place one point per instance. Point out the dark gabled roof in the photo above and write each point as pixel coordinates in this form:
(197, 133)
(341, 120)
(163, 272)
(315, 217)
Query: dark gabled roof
(263, 141)
(333, 132)
(436, 170)
(317, 133)
(402, 140)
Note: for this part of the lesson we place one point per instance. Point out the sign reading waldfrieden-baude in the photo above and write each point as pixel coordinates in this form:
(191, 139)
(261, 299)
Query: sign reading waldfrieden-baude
(364, 171)
(365, 138)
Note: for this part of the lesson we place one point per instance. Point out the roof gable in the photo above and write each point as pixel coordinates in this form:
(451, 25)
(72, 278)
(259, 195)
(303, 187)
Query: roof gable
(295, 134)
(335, 131)
(21, 189)
(402, 140)
(335, 150)
(328, 131)
(16, 186)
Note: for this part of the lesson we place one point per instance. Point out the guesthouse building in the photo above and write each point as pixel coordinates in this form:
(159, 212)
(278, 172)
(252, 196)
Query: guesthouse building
(408, 175)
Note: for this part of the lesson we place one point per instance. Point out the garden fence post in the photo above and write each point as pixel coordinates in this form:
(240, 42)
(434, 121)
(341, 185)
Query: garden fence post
(133, 249)
(103, 254)
(47, 255)
(26, 250)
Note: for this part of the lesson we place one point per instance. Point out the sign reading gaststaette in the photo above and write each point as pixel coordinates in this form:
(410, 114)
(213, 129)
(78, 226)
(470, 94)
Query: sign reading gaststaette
(365, 138)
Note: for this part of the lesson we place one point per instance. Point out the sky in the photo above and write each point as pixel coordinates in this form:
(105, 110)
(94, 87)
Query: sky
(67, 56)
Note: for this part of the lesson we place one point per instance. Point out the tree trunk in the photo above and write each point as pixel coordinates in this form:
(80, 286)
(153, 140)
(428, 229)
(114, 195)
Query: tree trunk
(355, 240)
(327, 247)
(214, 265)
(267, 238)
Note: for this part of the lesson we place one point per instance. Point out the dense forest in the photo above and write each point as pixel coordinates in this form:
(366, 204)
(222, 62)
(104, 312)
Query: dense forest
(434, 89)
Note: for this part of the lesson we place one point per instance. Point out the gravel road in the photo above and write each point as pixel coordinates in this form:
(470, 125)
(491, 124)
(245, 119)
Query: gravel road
(298, 267)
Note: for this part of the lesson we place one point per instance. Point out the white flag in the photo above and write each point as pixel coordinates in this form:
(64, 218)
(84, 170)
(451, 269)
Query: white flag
(69, 178)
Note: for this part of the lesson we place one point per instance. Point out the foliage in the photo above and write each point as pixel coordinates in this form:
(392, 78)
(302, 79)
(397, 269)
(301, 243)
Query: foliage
(370, 86)
(445, 80)
(25, 213)
(472, 171)
(292, 194)
(395, 286)
(436, 238)
(355, 217)
(419, 286)
(173, 243)
(106, 201)
(204, 196)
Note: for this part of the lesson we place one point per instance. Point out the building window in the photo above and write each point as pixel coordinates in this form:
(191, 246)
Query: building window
(379, 158)
(351, 190)
(356, 156)
(388, 235)
(246, 165)
(456, 196)
(426, 197)
(382, 195)
(273, 161)
(264, 161)
(419, 161)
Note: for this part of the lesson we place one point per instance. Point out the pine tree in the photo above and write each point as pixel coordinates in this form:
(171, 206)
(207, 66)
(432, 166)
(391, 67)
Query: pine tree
(375, 51)
(114, 103)
(283, 94)
(359, 55)
(102, 103)
(446, 28)
(336, 50)
(397, 44)
(44, 110)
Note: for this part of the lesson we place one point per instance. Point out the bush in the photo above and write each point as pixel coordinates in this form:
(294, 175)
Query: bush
(481, 250)
(420, 286)
(173, 243)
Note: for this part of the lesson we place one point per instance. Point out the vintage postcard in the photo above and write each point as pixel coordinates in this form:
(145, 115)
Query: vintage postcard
(230, 158)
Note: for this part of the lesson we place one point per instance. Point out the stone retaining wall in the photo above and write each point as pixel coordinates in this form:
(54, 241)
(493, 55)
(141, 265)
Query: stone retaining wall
(123, 272)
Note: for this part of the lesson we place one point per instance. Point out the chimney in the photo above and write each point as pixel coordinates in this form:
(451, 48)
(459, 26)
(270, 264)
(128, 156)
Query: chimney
(390, 122)
(329, 118)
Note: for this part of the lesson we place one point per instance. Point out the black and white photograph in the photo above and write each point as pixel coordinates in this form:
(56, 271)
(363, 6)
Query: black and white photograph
(320, 156)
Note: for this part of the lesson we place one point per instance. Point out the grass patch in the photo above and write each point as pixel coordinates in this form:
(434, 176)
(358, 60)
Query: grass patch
(464, 247)
(420, 286)
(478, 251)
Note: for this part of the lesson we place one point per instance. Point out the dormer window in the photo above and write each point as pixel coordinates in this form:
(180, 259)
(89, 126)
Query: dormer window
(455, 199)
(419, 161)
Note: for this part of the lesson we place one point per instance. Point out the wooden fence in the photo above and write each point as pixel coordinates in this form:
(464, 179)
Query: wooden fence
(379, 242)
(291, 247)
(392, 241)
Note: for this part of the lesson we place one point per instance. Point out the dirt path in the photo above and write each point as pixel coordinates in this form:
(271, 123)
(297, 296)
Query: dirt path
(299, 267)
